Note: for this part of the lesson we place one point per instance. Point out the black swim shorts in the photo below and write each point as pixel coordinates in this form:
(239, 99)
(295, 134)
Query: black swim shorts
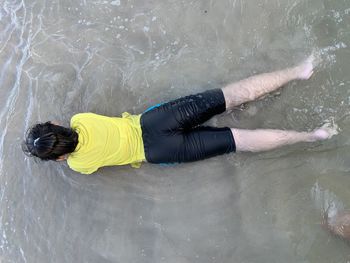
(171, 131)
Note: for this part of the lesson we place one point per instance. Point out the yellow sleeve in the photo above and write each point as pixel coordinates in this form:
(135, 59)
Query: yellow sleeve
(136, 165)
(82, 170)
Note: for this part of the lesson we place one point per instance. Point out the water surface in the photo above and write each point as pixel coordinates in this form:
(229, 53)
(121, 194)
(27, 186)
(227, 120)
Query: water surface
(59, 58)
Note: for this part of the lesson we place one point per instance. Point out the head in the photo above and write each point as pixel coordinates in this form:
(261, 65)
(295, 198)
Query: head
(48, 141)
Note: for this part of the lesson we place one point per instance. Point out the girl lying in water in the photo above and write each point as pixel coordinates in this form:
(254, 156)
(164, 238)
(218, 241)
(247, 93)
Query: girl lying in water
(169, 132)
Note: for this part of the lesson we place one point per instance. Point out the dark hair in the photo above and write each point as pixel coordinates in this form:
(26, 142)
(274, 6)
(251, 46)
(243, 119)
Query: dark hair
(48, 141)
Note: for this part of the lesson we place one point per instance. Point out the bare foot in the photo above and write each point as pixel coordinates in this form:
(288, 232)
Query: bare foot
(320, 134)
(325, 132)
(306, 68)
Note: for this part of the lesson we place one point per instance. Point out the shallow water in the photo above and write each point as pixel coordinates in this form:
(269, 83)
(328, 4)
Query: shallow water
(63, 57)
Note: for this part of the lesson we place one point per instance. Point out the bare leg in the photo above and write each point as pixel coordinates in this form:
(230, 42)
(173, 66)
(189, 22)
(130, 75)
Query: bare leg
(264, 140)
(256, 86)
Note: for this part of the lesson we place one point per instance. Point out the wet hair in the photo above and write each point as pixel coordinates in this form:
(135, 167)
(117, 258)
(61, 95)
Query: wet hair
(48, 141)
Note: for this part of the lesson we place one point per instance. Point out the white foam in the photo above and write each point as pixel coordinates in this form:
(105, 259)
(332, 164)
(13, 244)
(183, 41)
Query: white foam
(326, 200)
(116, 3)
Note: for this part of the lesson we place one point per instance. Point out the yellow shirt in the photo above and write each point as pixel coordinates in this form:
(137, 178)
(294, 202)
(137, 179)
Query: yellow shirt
(106, 141)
